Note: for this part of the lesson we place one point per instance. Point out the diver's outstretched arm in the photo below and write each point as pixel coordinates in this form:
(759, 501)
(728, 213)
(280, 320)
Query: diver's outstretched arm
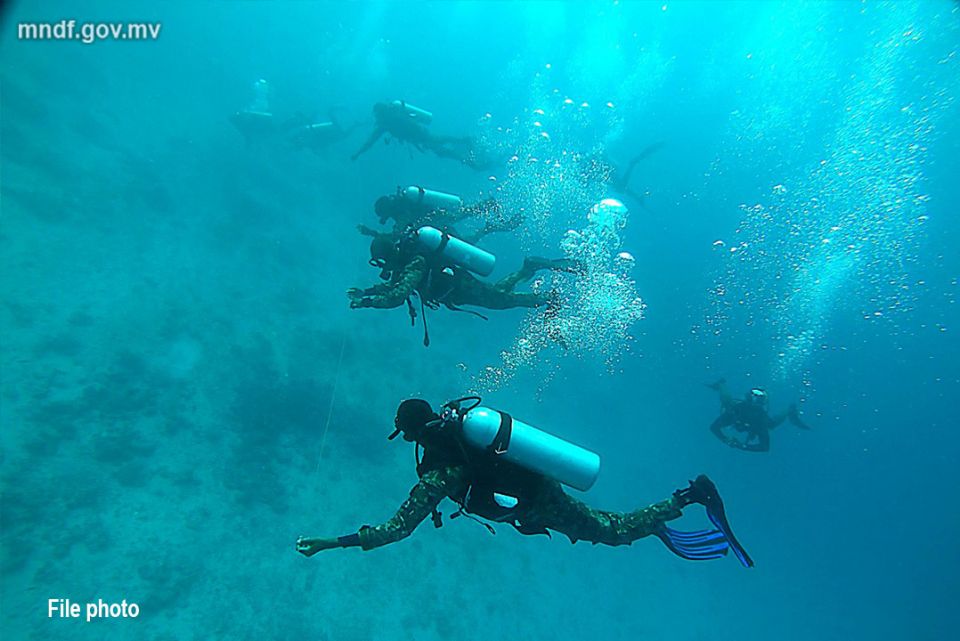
(374, 137)
(722, 421)
(394, 293)
(424, 498)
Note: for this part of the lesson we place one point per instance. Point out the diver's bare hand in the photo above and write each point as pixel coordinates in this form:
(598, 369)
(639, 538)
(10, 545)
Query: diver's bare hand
(358, 299)
(309, 547)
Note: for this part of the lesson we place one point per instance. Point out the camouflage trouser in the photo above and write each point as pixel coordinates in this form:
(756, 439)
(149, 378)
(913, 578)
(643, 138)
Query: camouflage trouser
(500, 295)
(556, 510)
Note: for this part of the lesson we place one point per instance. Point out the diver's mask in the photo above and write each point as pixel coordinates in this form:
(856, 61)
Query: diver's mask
(413, 416)
(386, 260)
(758, 397)
(381, 264)
(408, 434)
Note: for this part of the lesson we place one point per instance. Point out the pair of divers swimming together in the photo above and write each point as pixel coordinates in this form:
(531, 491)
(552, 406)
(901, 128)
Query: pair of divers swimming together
(396, 120)
(426, 258)
(495, 468)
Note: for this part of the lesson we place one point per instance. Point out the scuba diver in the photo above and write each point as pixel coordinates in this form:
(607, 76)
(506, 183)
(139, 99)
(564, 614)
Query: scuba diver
(319, 136)
(436, 268)
(257, 123)
(408, 124)
(749, 416)
(500, 469)
(416, 207)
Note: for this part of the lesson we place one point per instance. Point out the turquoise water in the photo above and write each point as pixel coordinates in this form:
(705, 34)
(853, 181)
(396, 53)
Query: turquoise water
(184, 389)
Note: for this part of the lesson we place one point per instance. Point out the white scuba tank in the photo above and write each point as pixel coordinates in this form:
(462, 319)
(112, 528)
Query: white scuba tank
(534, 449)
(432, 199)
(261, 97)
(457, 251)
(420, 115)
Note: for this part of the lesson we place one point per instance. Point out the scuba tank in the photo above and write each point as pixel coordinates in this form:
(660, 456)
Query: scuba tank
(522, 444)
(261, 97)
(420, 115)
(457, 251)
(431, 199)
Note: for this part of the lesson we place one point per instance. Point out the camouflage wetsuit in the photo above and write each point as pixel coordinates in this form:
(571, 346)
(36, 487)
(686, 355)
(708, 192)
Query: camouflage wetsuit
(461, 288)
(409, 214)
(394, 120)
(549, 508)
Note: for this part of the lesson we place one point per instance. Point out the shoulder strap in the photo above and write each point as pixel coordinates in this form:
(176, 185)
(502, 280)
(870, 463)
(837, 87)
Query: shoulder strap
(501, 442)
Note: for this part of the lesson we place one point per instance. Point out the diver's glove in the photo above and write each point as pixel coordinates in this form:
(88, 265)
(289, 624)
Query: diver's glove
(309, 547)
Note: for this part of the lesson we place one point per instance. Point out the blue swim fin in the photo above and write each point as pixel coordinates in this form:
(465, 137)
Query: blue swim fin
(698, 544)
(694, 546)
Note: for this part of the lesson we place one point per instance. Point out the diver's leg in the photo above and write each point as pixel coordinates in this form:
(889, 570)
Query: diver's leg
(443, 151)
(471, 291)
(625, 179)
(493, 298)
(556, 510)
(499, 224)
(491, 213)
(451, 140)
(777, 419)
(456, 148)
(720, 387)
(722, 421)
(646, 151)
(532, 265)
(522, 275)
(640, 199)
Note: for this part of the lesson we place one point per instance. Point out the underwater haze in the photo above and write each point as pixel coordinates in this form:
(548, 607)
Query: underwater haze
(185, 389)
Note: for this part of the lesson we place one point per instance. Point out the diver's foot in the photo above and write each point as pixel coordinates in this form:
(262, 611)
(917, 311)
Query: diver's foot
(704, 492)
(701, 491)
